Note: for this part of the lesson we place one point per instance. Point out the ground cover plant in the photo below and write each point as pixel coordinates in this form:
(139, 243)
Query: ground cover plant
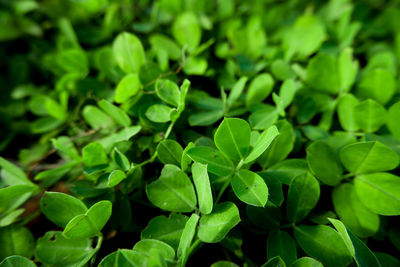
(199, 133)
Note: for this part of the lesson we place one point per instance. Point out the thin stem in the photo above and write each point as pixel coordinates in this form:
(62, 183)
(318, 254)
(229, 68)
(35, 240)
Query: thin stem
(223, 188)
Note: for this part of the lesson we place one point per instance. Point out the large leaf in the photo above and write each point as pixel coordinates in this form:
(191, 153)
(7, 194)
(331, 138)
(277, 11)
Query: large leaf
(250, 188)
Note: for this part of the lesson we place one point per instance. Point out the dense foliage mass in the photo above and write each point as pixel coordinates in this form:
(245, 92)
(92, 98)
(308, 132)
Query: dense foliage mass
(198, 133)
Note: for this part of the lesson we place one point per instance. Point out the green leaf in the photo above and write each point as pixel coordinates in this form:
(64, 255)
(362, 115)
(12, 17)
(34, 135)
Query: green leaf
(322, 73)
(159, 113)
(173, 192)
(233, 138)
(90, 223)
(96, 118)
(121, 160)
(324, 163)
(324, 244)
(217, 163)
(281, 70)
(203, 188)
(281, 244)
(250, 188)
(224, 264)
(366, 157)
(345, 110)
(73, 61)
(161, 42)
(186, 30)
(94, 155)
(263, 118)
(303, 196)
(127, 87)
(392, 119)
(275, 262)
(168, 230)
(236, 91)
(13, 175)
(215, 226)
(125, 134)
(55, 110)
(286, 170)
(12, 197)
(369, 115)
(168, 92)
(169, 152)
(259, 89)
(379, 192)
(54, 249)
(118, 115)
(353, 213)
(128, 52)
(186, 239)
(205, 118)
(265, 218)
(124, 257)
(372, 82)
(16, 240)
(115, 177)
(60, 208)
(306, 262)
(145, 245)
(263, 142)
(17, 261)
(347, 69)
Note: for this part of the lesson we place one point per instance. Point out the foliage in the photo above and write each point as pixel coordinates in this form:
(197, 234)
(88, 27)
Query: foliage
(211, 133)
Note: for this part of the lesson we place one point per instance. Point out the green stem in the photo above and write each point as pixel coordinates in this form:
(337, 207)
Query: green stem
(223, 188)
(192, 248)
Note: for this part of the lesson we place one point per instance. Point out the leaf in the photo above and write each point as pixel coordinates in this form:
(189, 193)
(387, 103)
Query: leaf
(347, 69)
(203, 187)
(324, 244)
(169, 152)
(159, 113)
(168, 92)
(96, 118)
(16, 240)
(17, 261)
(217, 163)
(90, 223)
(259, 89)
(168, 230)
(265, 218)
(215, 226)
(367, 157)
(379, 192)
(173, 193)
(205, 118)
(224, 264)
(12, 197)
(353, 213)
(236, 91)
(281, 244)
(262, 143)
(281, 70)
(369, 115)
(118, 115)
(121, 160)
(60, 208)
(13, 175)
(324, 163)
(345, 110)
(187, 31)
(233, 138)
(392, 120)
(115, 177)
(274, 262)
(250, 188)
(322, 73)
(94, 155)
(128, 52)
(54, 249)
(371, 84)
(186, 239)
(161, 42)
(125, 134)
(303, 196)
(127, 87)
(286, 170)
(306, 262)
(263, 118)
(145, 245)
(55, 110)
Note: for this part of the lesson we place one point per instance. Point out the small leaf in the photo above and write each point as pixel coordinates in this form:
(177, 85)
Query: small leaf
(90, 223)
(124, 257)
(115, 177)
(371, 84)
(250, 188)
(274, 262)
(169, 152)
(233, 138)
(345, 110)
(379, 192)
(262, 143)
(263, 118)
(145, 245)
(13, 175)
(186, 239)
(128, 52)
(168, 92)
(369, 115)
(96, 118)
(127, 87)
(217, 163)
(392, 120)
(17, 261)
(94, 155)
(159, 113)
(215, 226)
(236, 91)
(121, 160)
(302, 197)
(187, 31)
(60, 208)
(259, 89)
(203, 188)
(16, 240)
(322, 73)
(118, 115)
(366, 157)
(281, 244)
(306, 262)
